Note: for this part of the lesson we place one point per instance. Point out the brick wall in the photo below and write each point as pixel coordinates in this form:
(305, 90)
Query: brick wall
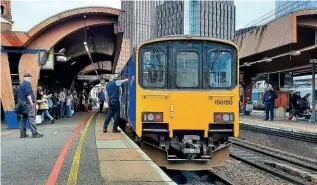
(124, 54)
(7, 10)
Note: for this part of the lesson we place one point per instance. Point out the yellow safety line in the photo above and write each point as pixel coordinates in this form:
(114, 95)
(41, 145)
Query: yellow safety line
(72, 178)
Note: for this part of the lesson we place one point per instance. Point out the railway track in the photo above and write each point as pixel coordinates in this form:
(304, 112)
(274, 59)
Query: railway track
(292, 134)
(204, 177)
(293, 168)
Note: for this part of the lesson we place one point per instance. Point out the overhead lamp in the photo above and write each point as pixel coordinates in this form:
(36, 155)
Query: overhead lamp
(295, 53)
(62, 51)
(266, 59)
(61, 58)
(73, 63)
(247, 64)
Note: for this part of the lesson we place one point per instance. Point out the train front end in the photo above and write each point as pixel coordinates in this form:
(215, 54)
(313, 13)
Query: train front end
(187, 99)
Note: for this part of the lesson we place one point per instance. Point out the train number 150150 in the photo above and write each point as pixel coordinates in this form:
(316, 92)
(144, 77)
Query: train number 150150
(223, 102)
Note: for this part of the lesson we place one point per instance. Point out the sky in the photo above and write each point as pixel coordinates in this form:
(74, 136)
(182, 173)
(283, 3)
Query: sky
(28, 13)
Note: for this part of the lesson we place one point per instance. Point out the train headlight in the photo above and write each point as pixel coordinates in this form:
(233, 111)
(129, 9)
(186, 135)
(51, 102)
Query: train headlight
(223, 117)
(152, 116)
(226, 117)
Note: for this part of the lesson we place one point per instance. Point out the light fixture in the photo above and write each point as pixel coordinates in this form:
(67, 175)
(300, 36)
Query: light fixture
(247, 64)
(73, 63)
(61, 58)
(295, 53)
(91, 60)
(266, 59)
(62, 51)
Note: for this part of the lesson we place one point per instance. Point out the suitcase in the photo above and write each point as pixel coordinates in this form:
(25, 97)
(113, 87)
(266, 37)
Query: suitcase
(86, 108)
(90, 106)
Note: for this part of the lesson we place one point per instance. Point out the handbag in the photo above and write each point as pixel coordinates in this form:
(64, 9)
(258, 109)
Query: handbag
(21, 108)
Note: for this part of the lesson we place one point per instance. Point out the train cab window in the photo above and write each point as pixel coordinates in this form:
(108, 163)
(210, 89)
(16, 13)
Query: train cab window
(187, 69)
(154, 69)
(219, 72)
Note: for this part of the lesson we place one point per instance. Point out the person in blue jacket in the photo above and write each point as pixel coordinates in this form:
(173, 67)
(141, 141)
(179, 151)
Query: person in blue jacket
(26, 95)
(112, 99)
(268, 100)
(101, 97)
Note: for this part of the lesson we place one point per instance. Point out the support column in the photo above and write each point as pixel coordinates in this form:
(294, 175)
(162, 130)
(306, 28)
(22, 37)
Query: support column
(29, 64)
(7, 97)
(313, 61)
(247, 88)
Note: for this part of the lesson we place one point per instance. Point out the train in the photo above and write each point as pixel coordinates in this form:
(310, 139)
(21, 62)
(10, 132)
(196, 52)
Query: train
(184, 102)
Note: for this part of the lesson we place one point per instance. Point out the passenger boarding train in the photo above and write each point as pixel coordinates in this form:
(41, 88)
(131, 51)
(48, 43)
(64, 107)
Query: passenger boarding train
(184, 102)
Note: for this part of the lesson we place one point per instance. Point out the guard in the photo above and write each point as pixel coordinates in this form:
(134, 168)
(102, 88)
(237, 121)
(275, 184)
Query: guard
(112, 99)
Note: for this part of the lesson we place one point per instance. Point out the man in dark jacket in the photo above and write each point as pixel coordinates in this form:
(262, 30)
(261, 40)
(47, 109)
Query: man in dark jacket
(26, 96)
(112, 99)
(268, 100)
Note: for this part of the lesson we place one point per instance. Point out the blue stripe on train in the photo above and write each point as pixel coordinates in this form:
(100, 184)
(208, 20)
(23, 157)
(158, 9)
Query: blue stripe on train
(128, 99)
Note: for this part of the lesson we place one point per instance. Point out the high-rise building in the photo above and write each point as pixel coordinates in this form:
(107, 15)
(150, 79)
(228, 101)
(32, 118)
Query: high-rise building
(142, 20)
(192, 17)
(137, 21)
(284, 7)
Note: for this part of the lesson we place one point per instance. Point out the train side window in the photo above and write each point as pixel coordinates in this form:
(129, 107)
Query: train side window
(154, 69)
(187, 69)
(219, 69)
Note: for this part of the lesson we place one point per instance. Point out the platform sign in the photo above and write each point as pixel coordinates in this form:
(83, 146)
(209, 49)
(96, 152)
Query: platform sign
(49, 64)
(87, 77)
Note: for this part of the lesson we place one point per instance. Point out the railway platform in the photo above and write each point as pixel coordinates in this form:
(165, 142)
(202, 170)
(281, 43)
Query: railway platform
(122, 161)
(76, 151)
(279, 123)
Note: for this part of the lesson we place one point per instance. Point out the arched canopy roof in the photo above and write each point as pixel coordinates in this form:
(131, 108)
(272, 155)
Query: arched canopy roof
(23, 38)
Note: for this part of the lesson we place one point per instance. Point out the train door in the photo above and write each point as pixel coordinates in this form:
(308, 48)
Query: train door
(186, 102)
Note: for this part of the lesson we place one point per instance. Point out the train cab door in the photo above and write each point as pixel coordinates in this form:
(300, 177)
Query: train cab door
(185, 83)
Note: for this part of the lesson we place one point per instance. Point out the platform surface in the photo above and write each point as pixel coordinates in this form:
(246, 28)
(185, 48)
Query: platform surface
(122, 161)
(301, 126)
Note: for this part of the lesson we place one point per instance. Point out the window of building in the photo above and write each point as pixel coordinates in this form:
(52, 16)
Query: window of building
(187, 68)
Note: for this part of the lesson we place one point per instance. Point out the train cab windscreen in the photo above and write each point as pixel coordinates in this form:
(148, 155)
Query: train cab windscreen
(184, 64)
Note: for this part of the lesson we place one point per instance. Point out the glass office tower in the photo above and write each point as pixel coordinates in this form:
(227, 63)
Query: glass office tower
(137, 21)
(192, 17)
(284, 7)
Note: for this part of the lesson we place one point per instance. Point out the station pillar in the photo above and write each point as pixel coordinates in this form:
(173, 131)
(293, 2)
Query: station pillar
(7, 97)
(247, 90)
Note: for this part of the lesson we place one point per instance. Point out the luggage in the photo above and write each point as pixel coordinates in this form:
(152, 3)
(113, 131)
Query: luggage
(86, 108)
(90, 106)
(38, 119)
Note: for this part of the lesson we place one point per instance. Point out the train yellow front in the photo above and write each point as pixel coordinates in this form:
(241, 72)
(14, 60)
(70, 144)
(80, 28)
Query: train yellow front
(184, 102)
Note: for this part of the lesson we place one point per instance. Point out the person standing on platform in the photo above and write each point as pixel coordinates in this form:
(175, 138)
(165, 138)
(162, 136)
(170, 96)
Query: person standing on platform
(62, 102)
(26, 97)
(269, 101)
(112, 99)
(101, 97)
